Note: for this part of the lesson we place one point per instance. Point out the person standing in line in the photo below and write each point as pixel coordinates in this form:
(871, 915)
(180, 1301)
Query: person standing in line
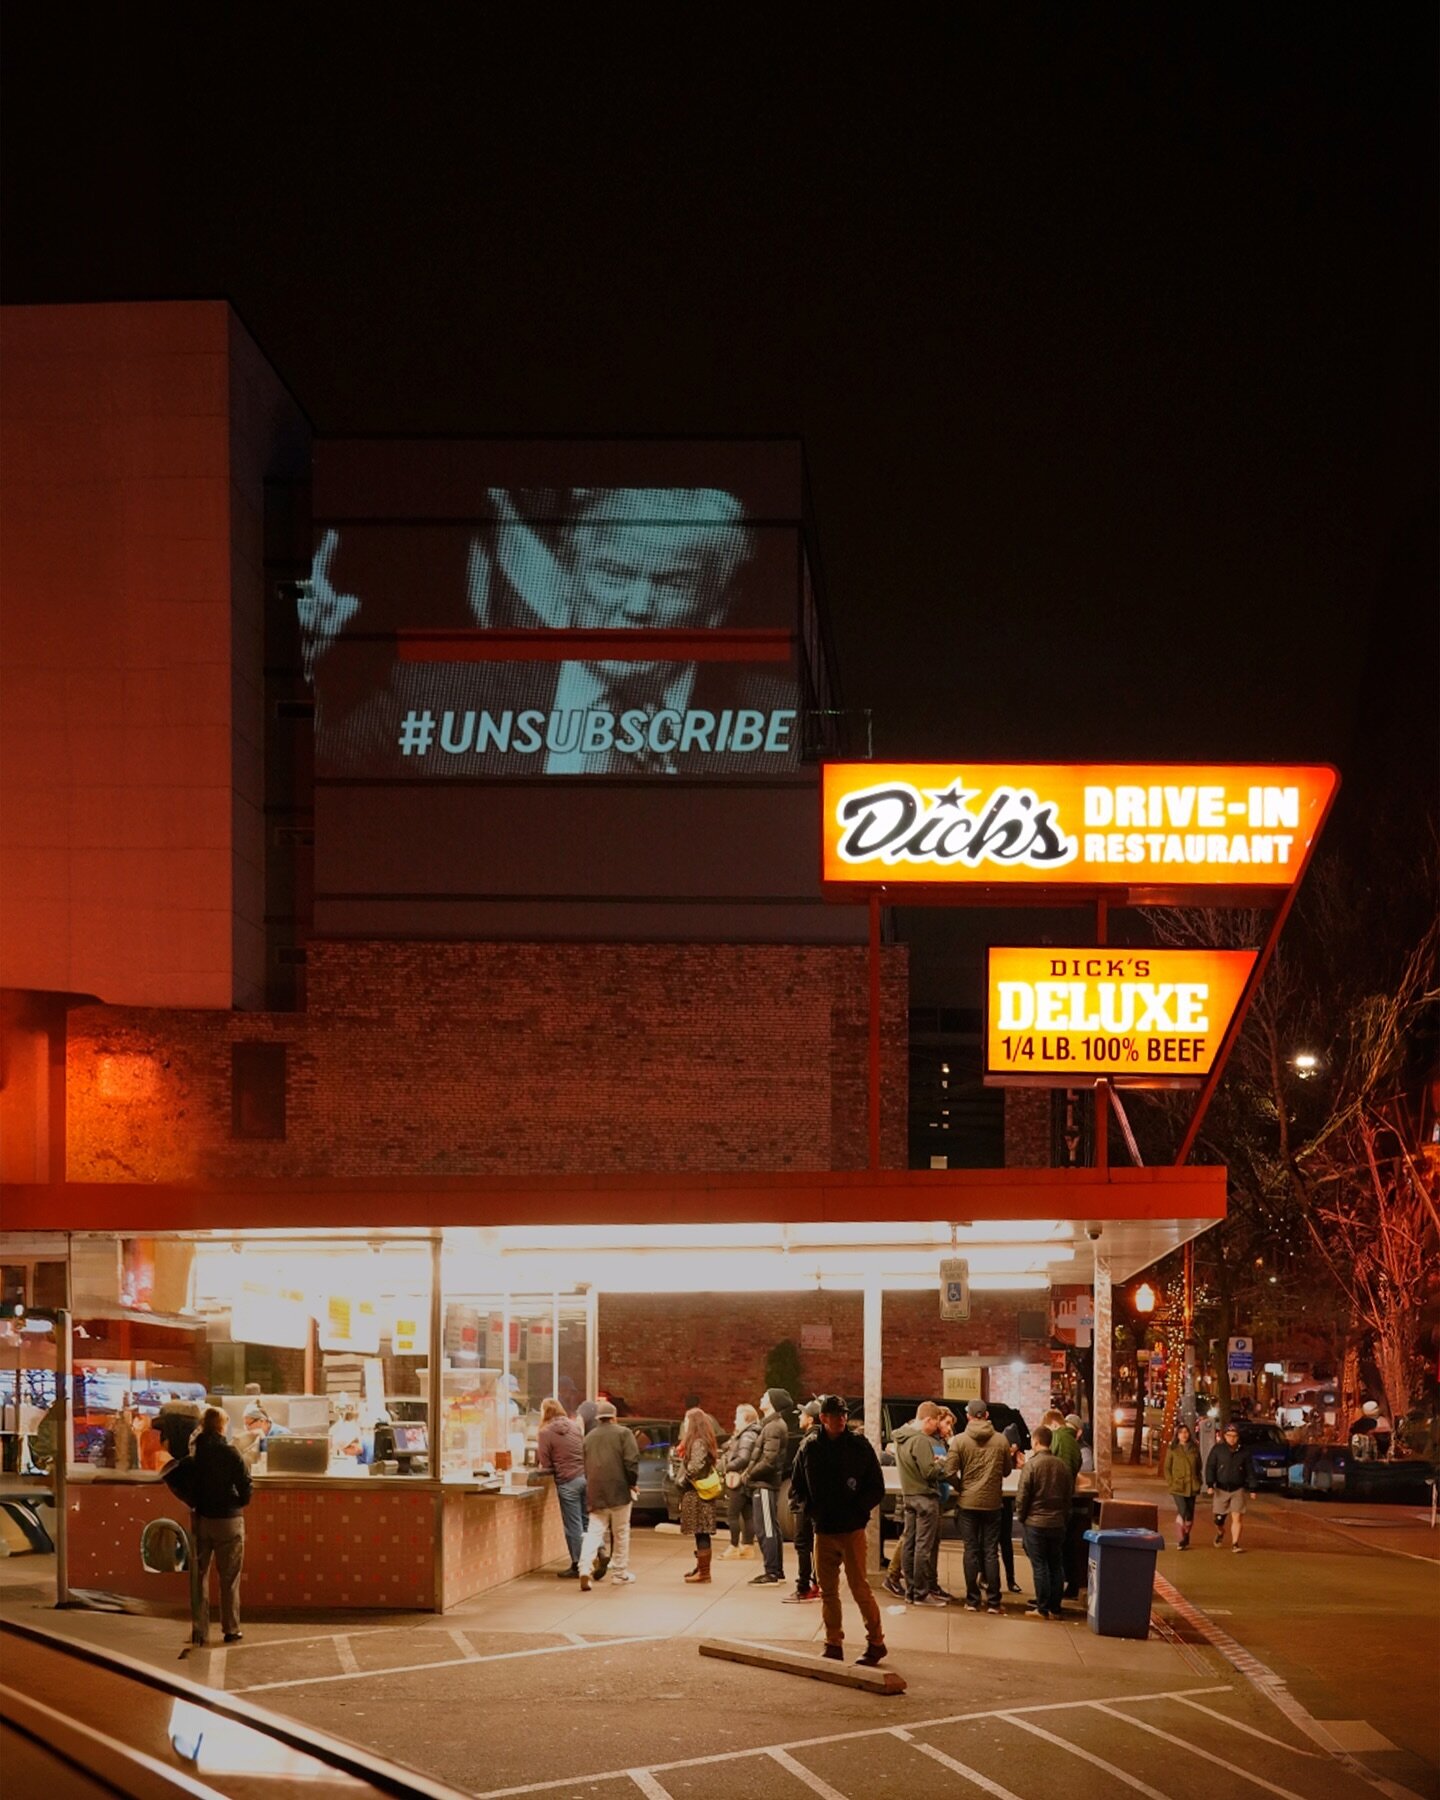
(612, 1470)
(1229, 1476)
(1184, 1479)
(214, 1483)
(806, 1587)
(737, 1496)
(763, 1475)
(837, 1480)
(699, 1457)
(560, 1451)
(977, 1465)
(1015, 1434)
(920, 1476)
(1064, 1442)
(1042, 1505)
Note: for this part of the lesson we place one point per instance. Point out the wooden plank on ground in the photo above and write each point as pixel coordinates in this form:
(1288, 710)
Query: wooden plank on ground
(804, 1662)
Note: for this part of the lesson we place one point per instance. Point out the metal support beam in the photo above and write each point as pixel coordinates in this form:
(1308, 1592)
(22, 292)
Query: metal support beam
(434, 1405)
(873, 1059)
(1102, 1424)
(64, 1448)
(872, 1351)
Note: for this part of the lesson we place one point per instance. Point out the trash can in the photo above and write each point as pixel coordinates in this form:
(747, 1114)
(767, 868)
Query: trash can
(1122, 1578)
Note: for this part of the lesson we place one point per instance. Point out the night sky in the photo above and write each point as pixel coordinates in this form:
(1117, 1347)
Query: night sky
(1110, 332)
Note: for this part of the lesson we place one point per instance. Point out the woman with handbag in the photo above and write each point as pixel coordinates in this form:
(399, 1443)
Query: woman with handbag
(700, 1486)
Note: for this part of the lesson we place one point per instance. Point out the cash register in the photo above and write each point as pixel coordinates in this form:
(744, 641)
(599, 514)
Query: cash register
(407, 1445)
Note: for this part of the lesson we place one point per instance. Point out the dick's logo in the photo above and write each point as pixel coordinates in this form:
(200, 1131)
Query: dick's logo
(896, 823)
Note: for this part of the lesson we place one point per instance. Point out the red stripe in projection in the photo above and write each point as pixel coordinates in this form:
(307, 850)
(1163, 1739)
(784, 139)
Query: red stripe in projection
(635, 645)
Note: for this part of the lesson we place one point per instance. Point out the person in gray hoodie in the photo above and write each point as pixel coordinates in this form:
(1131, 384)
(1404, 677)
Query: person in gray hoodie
(979, 1460)
(920, 1474)
(1042, 1505)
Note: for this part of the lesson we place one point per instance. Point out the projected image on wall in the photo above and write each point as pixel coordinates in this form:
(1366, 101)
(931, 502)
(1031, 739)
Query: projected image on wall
(578, 631)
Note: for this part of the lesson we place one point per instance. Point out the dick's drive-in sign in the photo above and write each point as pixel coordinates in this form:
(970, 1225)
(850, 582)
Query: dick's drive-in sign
(1152, 828)
(1143, 1018)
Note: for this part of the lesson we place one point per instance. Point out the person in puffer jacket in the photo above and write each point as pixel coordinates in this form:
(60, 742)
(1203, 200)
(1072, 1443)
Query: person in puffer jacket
(763, 1475)
(979, 1460)
(737, 1496)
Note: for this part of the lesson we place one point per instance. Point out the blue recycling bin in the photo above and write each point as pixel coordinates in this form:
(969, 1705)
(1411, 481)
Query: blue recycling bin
(1122, 1578)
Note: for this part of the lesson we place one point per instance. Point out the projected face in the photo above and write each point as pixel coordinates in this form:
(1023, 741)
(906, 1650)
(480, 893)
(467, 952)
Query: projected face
(657, 559)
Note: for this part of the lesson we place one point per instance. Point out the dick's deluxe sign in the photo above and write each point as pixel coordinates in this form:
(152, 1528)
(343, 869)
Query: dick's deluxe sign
(1141, 1018)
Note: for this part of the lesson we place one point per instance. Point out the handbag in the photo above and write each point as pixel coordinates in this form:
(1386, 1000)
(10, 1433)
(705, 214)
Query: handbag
(708, 1487)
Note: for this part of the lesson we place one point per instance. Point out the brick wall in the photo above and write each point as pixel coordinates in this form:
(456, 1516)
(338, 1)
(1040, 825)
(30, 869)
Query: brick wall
(656, 1348)
(472, 1058)
(1027, 1128)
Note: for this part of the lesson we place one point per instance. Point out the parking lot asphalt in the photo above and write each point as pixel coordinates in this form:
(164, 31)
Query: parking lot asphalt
(535, 1688)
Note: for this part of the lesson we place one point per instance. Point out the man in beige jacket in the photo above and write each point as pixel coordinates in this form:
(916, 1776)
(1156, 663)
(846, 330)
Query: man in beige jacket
(979, 1460)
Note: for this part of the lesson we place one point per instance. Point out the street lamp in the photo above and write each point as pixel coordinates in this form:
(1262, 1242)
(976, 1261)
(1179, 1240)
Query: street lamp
(1144, 1301)
(1305, 1063)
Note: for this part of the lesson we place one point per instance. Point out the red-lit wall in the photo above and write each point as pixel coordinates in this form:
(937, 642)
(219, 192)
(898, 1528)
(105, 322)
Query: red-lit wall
(471, 1058)
(655, 1349)
(136, 442)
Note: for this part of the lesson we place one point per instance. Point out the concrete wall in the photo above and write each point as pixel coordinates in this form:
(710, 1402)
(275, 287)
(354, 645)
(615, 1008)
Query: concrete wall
(526, 1058)
(123, 449)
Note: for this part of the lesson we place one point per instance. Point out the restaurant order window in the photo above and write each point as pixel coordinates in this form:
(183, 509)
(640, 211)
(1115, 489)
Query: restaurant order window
(318, 1347)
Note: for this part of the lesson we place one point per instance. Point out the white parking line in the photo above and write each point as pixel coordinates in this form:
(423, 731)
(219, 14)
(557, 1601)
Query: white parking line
(808, 1776)
(839, 1737)
(983, 1782)
(449, 1662)
(346, 1655)
(468, 1652)
(648, 1785)
(1205, 1755)
(1236, 1725)
(1060, 1743)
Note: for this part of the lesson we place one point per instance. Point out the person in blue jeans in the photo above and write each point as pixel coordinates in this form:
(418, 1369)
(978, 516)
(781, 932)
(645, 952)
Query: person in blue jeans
(561, 1453)
(1042, 1505)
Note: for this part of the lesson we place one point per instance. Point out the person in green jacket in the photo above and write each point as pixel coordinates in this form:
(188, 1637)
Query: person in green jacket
(1184, 1479)
(1063, 1442)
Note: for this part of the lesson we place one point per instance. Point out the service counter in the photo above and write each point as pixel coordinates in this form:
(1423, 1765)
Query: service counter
(327, 1541)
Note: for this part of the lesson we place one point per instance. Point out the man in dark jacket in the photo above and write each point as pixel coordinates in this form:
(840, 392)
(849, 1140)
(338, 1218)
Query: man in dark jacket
(837, 1480)
(612, 1470)
(805, 1584)
(215, 1484)
(1229, 1474)
(763, 1476)
(920, 1473)
(1042, 1505)
(177, 1422)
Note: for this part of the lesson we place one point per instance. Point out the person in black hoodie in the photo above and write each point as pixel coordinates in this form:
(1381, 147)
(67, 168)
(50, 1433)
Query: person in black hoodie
(1228, 1474)
(837, 1480)
(763, 1475)
(215, 1484)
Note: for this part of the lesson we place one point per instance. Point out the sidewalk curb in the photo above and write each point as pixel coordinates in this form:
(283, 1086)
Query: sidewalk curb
(1274, 1689)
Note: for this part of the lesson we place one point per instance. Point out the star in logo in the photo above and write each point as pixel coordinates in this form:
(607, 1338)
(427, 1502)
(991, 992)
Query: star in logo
(954, 795)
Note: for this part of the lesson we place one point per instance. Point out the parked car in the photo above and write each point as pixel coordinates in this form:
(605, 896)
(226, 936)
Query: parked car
(657, 1438)
(1333, 1472)
(1270, 1451)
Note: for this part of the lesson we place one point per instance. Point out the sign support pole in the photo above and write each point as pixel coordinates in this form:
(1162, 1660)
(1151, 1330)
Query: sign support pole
(1103, 1423)
(873, 1109)
(873, 1326)
(1102, 1088)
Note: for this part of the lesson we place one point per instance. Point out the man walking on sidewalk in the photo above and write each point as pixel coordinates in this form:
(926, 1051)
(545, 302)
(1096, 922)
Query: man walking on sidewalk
(837, 1480)
(977, 1465)
(612, 1469)
(920, 1475)
(1229, 1475)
